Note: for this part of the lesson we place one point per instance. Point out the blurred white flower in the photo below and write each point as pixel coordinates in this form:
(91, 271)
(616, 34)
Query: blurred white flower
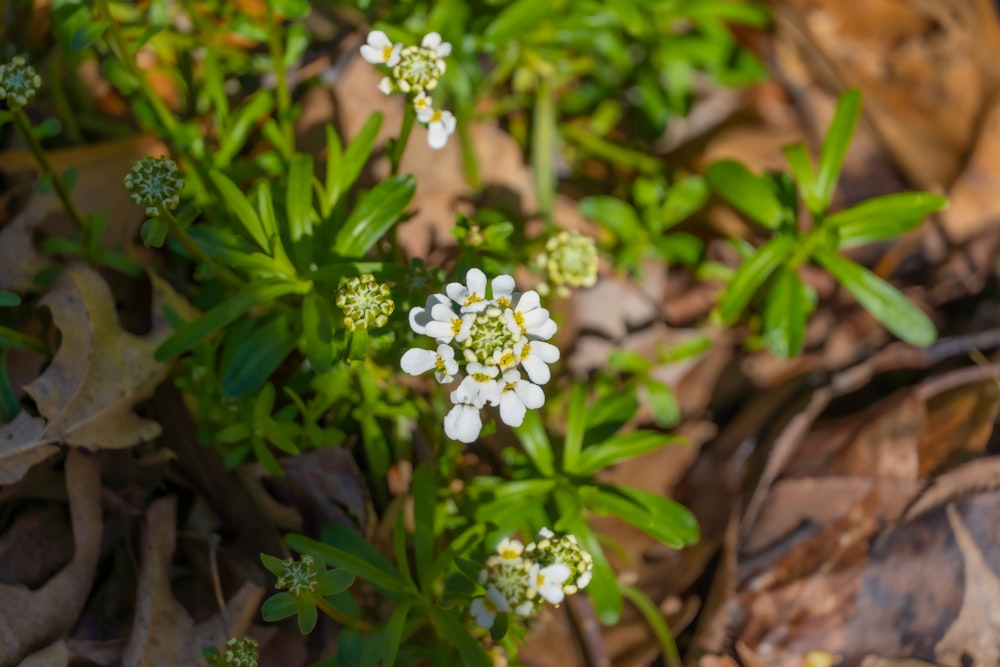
(380, 50)
(486, 608)
(440, 125)
(516, 396)
(548, 581)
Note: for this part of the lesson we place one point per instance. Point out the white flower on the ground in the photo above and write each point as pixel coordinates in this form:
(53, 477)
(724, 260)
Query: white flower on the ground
(548, 581)
(380, 50)
(486, 608)
(432, 41)
(417, 361)
(440, 125)
(516, 396)
(471, 296)
(534, 356)
(510, 549)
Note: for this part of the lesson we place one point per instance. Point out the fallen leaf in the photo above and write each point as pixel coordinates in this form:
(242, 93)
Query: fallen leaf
(55, 655)
(100, 371)
(30, 619)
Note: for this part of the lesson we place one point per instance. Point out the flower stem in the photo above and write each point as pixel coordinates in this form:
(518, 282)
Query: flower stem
(339, 617)
(58, 184)
(409, 115)
(196, 251)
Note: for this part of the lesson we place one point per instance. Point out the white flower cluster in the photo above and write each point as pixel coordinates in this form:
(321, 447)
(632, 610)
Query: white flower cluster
(520, 579)
(414, 70)
(493, 336)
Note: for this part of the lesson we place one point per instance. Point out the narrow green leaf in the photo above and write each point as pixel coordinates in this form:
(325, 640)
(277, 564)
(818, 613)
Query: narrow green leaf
(749, 194)
(257, 356)
(334, 581)
(536, 443)
(468, 647)
(352, 553)
(838, 138)
(9, 405)
(399, 547)
(654, 617)
(355, 157)
(805, 175)
(192, 333)
(785, 313)
(669, 516)
(394, 633)
(663, 401)
(628, 361)
(613, 213)
(672, 524)
(375, 213)
(306, 608)
(317, 332)
(516, 18)
(238, 203)
(603, 589)
(278, 607)
(268, 219)
(544, 144)
(886, 304)
(683, 198)
(423, 522)
(334, 170)
(883, 217)
(298, 199)
(576, 424)
(751, 275)
(608, 414)
(240, 124)
(500, 626)
(620, 448)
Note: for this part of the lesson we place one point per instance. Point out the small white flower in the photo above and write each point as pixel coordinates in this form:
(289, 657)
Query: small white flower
(486, 608)
(534, 356)
(380, 50)
(548, 581)
(510, 550)
(584, 579)
(417, 361)
(516, 396)
(422, 104)
(446, 326)
(545, 534)
(525, 609)
(386, 85)
(528, 317)
(471, 296)
(420, 317)
(432, 40)
(479, 386)
(503, 290)
(440, 125)
(463, 423)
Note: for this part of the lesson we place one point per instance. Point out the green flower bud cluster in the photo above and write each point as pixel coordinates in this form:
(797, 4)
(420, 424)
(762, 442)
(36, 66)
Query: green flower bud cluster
(243, 652)
(298, 576)
(18, 82)
(155, 184)
(569, 260)
(365, 302)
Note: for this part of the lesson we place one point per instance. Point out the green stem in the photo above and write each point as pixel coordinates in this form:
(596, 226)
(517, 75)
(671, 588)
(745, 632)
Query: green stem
(409, 115)
(469, 162)
(543, 147)
(343, 619)
(24, 127)
(196, 251)
(283, 94)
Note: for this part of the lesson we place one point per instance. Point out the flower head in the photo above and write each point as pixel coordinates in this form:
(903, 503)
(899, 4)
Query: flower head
(485, 609)
(550, 549)
(569, 260)
(380, 50)
(547, 581)
(155, 184)
(493, 330)
(365, 302)
(18, 82)
(298, 576)
(243, 652)
(440, 125)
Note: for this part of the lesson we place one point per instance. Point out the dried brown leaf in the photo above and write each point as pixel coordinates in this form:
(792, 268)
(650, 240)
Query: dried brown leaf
(55, 655)
(30, 619)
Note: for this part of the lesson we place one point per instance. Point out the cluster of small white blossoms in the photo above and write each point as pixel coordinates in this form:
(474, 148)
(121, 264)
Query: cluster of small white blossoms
(521, 578)
(18, 82)
(493, 336)
(414, 70)
(155, 184)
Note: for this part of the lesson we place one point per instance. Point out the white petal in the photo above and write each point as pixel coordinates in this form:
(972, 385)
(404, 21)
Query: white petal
(503, 286)
(545, 533)
(442, 312)
(431, 40)
(528, 301)
(372, 54)
(424, 114)
(535, 317)
(545, 351)
(394, 56)
(456, 292)
(378, 39)
(440, 331)
(448, 121)
(556, 573)
(536, 369)
(544, 331)
(444, 50)
(512, 410)
(489, 392)
(416, 361)
(437, 136)
(385, 85)
(530, 394)
(584, 579)
(476, 280)
(463, 423)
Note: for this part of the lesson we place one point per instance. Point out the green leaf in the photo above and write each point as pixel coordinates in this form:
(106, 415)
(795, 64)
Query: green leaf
(620, 448)
(154, 232)
(8, 299)
(886, 304)
(883, 217)
(375, 213)
(545, 144)
(499, 628)
(516, 19)
(683, 198)
(749, 194)
(299, 197)
(663, 401)
(240, 124)
(423, 522)
(317, 332)
(628, 361)
(394, 633)
(536, 443)
(785, 313)
(751, 275)
(334, 170)
(468, 647)
(306, 608)
(238, 203)
(9, 405)
(654, 617)
(616, 215)
(233, 433)
(805, 175)
(670, 518)
(257, 356)
(838, 138)
(608, 414)
(352, 552)
(277, 607)
(334, 581)
(192, 333)
(603, 589)
(576, 424)
(353, 161)
(671, 523)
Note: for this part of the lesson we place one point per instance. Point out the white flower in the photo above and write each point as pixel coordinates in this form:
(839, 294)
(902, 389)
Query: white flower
(417, 361)
(380, 50)
(510, 550)
(545, 534)
(420, 317)
(534, 356)
(422, 104)
(432, 41)
(525, 609)
(516, 395)
(528, 317)
(584, 579)
(446, 326)
(463, 423)
(548, 581)
(471, 296)
(479, 387)
(386, 85)
(503, 290)
(486, 608)
(440, 125)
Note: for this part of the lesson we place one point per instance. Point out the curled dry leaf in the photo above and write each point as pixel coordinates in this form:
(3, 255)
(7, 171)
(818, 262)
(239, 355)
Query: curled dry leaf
(55, 655)
(33, 619)
(164, 634)
(86, 394)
